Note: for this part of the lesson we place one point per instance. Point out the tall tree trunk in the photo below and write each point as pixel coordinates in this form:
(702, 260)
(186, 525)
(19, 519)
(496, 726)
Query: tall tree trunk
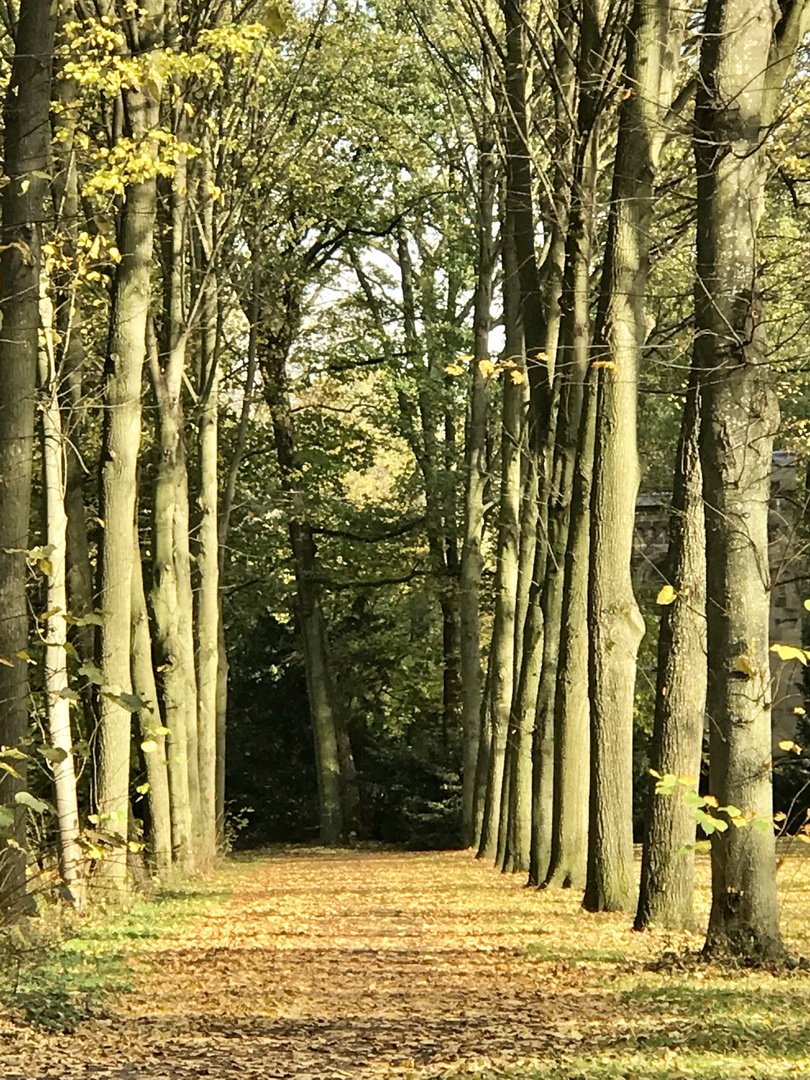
(572, 732)
(573, 354)
(164, 599)
(502, 648)
(225, 509)
(667, 873)
(474, 502)
(744, 58)
(615, 621)
(25, 161)
(207, 613)
(57, 705)
(311, 622)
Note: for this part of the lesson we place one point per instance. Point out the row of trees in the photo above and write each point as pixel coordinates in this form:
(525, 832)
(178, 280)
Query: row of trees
(220, 224)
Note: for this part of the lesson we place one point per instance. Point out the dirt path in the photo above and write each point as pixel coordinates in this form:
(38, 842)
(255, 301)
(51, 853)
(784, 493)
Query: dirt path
(357, 964)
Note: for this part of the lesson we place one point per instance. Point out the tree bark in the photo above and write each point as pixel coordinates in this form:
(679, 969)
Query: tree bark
(744, 57)
(615, 621)
(667, 872)
(502, 648)
(25, 161)
(161, 812)
(57, 705)
(474, 502)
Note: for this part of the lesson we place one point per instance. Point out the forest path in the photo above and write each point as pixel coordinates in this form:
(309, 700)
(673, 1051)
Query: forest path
(328, 964)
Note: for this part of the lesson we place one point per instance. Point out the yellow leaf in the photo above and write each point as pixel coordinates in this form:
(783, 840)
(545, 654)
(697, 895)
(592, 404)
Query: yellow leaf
(789, 652)
(687, 781)
(780, 816)
(611, 364)
(799, 711)
(790, 745)
(655, 773)
(487, 368)
(666, 596)
(149, 746)
(807, 605)
(516, 376)
(709, 800)
(453, 369)
(805, 839)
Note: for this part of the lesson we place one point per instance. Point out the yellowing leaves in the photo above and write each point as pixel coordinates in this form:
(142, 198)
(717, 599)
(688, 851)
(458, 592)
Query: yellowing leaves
(790, 746)
(667, 595)
(454, 370)
(789, 652)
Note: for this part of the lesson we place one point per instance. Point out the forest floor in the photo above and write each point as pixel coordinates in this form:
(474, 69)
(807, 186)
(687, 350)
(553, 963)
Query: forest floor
(311, 964)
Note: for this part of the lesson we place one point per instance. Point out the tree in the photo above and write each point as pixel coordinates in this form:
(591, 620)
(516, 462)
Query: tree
(734, 107)
(25, 163)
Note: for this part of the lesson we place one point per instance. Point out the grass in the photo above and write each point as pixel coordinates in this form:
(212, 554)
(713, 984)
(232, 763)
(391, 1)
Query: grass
(57, 969)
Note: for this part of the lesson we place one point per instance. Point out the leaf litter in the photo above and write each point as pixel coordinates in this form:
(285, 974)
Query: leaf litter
(370, 964)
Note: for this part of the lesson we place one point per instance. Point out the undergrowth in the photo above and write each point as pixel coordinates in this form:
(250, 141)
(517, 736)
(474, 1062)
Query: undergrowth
(58, 968)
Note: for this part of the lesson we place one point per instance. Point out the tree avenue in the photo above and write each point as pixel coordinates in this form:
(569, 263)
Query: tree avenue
(339, 346)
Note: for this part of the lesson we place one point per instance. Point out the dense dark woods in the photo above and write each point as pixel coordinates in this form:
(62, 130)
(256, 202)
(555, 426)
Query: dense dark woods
(341, 346)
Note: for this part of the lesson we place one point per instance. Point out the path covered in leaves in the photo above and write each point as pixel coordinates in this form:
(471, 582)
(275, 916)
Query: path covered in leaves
(365, 964)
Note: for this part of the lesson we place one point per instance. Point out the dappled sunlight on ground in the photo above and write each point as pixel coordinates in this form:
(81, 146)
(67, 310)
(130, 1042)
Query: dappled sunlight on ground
(370, 963)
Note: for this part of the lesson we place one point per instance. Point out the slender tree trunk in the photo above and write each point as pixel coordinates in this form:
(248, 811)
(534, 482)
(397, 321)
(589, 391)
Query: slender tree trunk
(615, 621)
(474, 503)
(572, 732)
(25, 161)
(207, 613)
(57, 706)
(502, 648)
(573, 355)
(225, 509)
(744, 58)
(667, 873)
(166, 611)
(152, 732)
(311, 622)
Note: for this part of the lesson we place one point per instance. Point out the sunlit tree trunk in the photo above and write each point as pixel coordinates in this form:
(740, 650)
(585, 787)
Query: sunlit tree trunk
(502, 648)
(207, 607)
(745, 55)
(667, 871)
(57, 702)
(25, 163)
(615, 621)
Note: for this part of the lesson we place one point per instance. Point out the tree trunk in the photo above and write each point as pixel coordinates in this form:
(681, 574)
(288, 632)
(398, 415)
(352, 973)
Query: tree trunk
(57, 706)
(166, 611)
(123, 371)
(744, 58)
(502, 648)
(615, 621)
(25, 161)
(311, 622)
(474, 503)
(667, 873)
(161, 812)
(572, 733)
(207, 613)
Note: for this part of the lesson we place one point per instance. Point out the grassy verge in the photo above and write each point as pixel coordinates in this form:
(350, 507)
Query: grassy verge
(58, 968)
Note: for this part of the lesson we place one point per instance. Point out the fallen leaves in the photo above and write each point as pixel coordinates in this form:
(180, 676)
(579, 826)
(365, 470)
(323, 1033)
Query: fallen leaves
(368, 964)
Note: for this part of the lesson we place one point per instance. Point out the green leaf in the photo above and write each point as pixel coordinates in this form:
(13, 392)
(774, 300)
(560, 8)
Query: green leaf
(6, 816)
(92, 673)
(9, 769)
(69, 695)
(55, 754)
(761, 825)
(142, 788)
(27, 799)
(691, 798)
